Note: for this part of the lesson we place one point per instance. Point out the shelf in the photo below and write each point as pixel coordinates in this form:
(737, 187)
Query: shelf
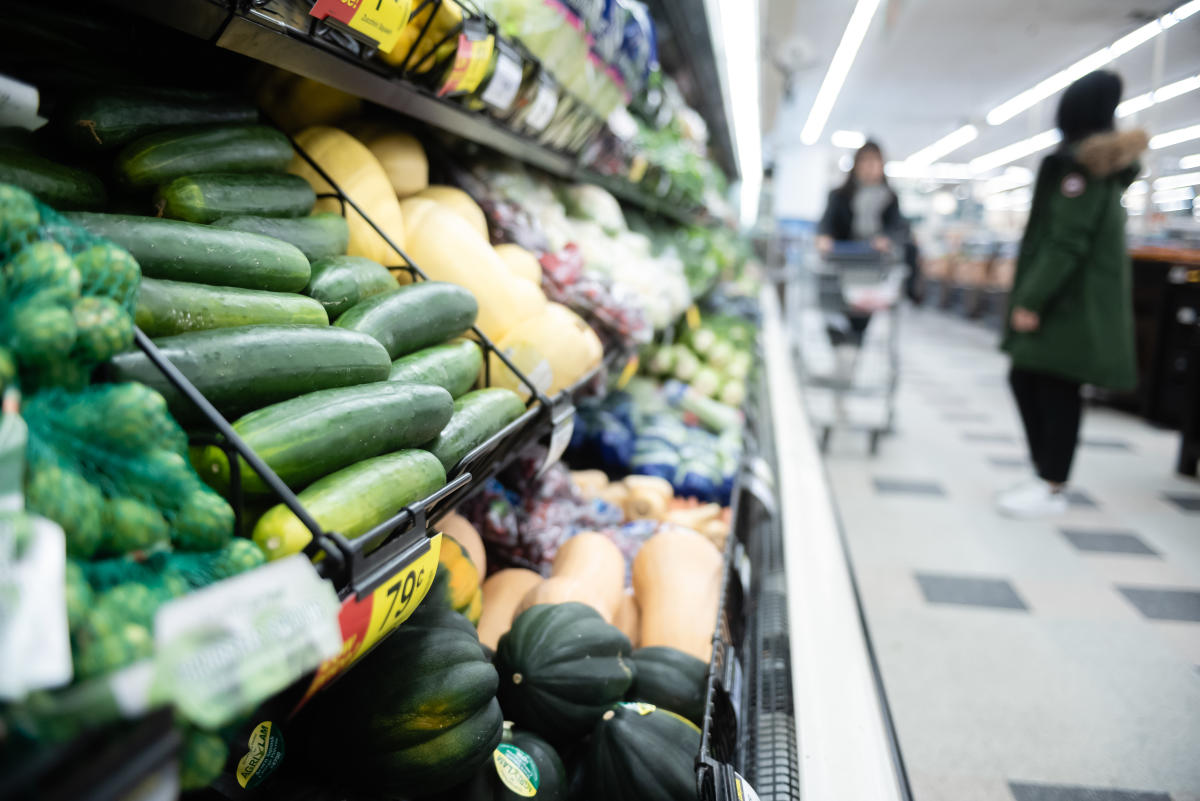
(276, 32)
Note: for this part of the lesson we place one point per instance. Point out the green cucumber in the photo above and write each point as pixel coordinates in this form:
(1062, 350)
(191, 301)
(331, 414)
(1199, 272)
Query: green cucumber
(249, 367)
(54, 184)
(110, 117)
(477, 417)
(414, 316)
(210, 196)
(318, 236)
(165, 308)
(341, 282)
(454, 366)
(353, 500)
(166, 155)
(313, 435)
(182, 251)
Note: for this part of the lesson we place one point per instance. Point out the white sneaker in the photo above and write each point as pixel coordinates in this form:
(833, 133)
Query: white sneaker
(1030, 500)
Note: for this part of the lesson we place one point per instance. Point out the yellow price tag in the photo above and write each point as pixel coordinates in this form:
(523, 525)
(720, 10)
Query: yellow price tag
(380, 21)
(366, 621)
(471, 62)
(631, 368)
(693, 316)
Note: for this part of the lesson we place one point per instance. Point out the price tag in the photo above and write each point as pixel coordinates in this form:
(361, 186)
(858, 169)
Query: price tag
(377, 22)
(693, 316)
(19, 105)
(228, 647)
(563, 416)
(631, 368)
(541, 111)
(742, 788)
(365, 621)
(471, 60)
(506, 78)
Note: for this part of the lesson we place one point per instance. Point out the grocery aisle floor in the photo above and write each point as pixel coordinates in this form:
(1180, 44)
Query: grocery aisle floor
(1025, 661)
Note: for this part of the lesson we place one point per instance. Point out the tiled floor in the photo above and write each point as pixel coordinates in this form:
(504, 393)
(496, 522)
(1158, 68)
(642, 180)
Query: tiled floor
(1025, 661)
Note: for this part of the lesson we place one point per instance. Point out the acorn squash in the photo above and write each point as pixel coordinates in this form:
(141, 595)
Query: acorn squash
(641, 753)
(560, 667)
(670, 679)
(420, 711)
(522, 766)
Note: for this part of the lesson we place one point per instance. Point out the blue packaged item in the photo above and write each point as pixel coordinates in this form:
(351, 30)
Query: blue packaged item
(614, 441)
(610, 30)
(696, 480)
(639, 48)
(655, 460)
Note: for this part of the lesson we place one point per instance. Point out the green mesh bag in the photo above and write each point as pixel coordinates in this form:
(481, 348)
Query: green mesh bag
(66, 296)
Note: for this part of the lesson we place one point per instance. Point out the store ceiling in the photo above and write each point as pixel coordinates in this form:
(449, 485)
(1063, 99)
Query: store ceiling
(930, 66)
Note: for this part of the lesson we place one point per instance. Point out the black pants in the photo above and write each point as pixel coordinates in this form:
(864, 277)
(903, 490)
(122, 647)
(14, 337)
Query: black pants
(1050, 408)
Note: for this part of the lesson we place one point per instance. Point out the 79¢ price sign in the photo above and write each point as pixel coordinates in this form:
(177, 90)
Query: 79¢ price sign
(366, 621)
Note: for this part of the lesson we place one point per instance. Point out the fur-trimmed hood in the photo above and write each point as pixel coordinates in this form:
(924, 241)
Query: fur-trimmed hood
(1105, 153)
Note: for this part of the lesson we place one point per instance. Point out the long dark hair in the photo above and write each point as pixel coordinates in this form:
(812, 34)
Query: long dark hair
(850, 185)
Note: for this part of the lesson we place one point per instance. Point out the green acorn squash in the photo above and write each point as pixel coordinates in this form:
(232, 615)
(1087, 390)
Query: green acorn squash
(641, 753)
(560, 667)
(671, 679)
(419, 711)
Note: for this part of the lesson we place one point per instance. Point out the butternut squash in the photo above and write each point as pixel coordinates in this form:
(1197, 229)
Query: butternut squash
(628, 618)
(502, 594)
(446, 248)
(590, 483)
(402, 158)
(460, 203)
(649, 497)
(594, 561)
(459, 529)
(521, 262)
(560, 590)
(616, 493)
(677, 581)
(350, 164)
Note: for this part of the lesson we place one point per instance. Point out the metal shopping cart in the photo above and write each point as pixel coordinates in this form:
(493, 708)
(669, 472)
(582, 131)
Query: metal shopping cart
(845, 320)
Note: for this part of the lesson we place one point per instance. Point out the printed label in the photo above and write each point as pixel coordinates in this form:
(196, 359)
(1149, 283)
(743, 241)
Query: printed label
(641, 707)
(1073, 185)
(560, 438)
(541, 111)
(474, 54)
(516, 770)
(379, 22)
(743, 789)
(19, 105)
(264, 755)
(366, 621)
(506, 80)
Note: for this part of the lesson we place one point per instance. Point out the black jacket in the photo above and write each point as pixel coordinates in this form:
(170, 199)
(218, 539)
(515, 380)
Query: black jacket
(838, 221)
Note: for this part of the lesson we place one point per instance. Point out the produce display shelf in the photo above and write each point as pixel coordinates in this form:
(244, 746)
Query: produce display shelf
(276, 32)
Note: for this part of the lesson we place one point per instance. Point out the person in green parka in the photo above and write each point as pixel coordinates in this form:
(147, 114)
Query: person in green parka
(1071, 317)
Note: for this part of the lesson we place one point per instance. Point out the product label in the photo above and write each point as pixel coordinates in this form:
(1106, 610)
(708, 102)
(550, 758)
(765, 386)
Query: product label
(264, 755)
(365, 621)
(541, 111)
(641, 707)
(563, 416)
(627, 374)
(471, 60)
(506, 79)
(228, 647)
(378, 22)
(19, 105)
(743, 789)
(516, 770)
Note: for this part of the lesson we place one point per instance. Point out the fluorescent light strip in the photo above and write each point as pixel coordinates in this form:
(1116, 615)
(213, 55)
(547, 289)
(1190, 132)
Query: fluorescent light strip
(1177, 205)
(1176, 181)
(1173, 195)
(839, 68)
(1144, 101)
(734, 31)
(1015, 151)
(945, 146)
(1178, 136)
(851, 140)
(1137, 188)
(1063, 78)
(942, 171)
(1012, 178)
(1190, 162)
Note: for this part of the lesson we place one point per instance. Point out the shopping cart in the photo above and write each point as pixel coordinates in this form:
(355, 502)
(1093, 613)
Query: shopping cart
(845, 320)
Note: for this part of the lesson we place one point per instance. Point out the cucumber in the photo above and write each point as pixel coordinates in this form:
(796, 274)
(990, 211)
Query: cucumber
(353, 500)
(318, 236)
(477, 417)
(165, 308)
(414, 316)
(341, 282)
(182, 251)
(210, 196)
(454, 366)
(110, 117)
(313, 435)
(249, 367)
(166, 155)
(54, 184)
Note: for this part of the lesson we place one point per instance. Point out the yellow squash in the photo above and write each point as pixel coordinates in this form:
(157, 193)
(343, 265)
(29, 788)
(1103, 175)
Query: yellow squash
(460, 203)
(521, 262)
(554, 350)
(402, 158)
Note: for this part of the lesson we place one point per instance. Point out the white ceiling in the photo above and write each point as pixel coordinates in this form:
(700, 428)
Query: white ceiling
(927, 67)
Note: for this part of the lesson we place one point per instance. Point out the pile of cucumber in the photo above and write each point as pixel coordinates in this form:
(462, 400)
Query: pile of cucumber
(354, 389)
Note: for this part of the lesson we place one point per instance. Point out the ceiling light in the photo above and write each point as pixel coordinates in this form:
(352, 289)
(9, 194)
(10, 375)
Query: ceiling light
(734, 30)
(839, 68)
(1138, 188)
(942, 171)
(1064, 78)
(1015, 151)
(851, 140)
(1175, 205)
(1176, 181)
(1174, 195)
(1012, 178)
(1190, 162)
(846, 163)
(1162, 94)
(1175, 137)
(945, 146)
